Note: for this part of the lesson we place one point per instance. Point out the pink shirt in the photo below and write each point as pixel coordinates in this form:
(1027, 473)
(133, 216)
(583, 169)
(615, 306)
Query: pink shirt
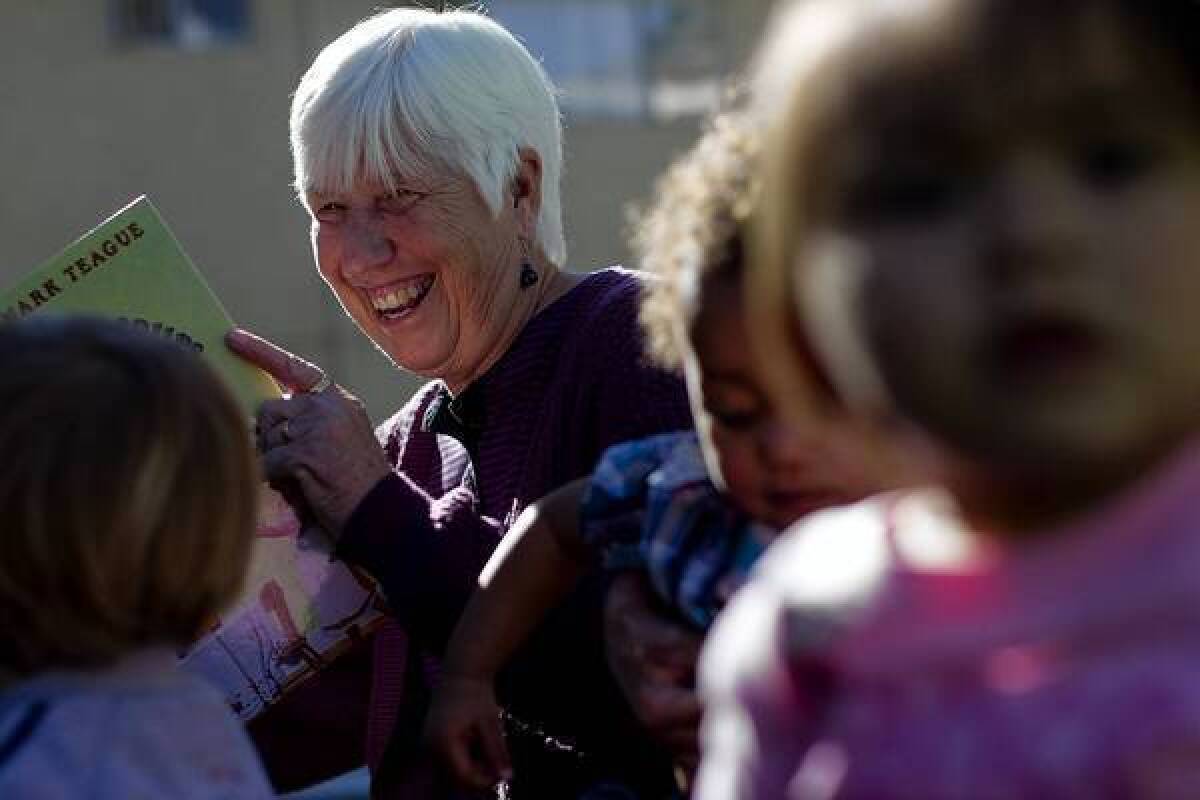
(881, 651)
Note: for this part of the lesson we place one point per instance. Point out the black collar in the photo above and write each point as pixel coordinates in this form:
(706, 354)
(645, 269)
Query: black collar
(461, 416)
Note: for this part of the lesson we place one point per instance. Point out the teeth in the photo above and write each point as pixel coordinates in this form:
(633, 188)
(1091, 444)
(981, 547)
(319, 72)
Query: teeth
(398, 299)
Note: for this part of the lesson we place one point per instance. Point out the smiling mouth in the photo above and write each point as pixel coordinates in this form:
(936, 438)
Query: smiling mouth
(398, 300)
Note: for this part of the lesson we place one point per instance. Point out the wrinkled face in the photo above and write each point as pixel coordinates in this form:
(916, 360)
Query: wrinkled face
(775, 470)
(428, 273)
(1030, 259)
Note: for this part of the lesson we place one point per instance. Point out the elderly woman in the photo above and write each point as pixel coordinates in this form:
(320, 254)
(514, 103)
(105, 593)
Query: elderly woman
(427, 152)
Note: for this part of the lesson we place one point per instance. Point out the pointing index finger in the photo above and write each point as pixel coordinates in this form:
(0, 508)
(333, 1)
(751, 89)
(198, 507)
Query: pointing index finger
(292, 371)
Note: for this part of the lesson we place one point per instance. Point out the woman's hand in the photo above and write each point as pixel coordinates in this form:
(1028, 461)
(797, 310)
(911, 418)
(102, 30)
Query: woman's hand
(463, 729)
(323, 439)
(654, 662)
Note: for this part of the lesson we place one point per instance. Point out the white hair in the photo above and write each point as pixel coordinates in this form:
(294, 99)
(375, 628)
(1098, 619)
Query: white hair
(412, 92)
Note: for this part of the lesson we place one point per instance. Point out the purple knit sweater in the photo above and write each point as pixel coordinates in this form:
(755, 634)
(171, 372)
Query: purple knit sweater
(573, 383)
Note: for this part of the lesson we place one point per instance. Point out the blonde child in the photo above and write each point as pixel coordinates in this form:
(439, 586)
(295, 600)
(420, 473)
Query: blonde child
(128, 495)
(998, 199)
(694, 509)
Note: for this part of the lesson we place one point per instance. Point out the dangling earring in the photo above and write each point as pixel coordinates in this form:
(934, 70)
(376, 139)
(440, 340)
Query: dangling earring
(529, 275)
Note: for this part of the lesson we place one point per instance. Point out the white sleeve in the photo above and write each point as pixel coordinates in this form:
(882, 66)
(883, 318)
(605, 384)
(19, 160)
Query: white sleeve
(751, 737)
(759, 721)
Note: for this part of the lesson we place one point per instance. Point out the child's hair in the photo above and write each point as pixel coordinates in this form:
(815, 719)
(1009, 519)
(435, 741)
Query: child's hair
(695, 229)
(128, 494)
(848, 44)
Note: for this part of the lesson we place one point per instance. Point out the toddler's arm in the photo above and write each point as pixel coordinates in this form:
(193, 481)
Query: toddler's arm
(534, 567)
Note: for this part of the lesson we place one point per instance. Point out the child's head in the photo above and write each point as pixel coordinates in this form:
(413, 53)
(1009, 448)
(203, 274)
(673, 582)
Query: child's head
(127, 491)
(695, 319)
(1007, 194)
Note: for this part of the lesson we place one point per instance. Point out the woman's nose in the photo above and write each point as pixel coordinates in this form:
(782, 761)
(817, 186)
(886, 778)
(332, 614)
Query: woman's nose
(365, 245)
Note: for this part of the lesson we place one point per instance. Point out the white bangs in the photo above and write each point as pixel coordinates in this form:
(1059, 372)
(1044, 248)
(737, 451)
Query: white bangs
(348, 127)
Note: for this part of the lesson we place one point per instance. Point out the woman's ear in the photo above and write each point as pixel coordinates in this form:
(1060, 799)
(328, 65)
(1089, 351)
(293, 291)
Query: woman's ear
(527, 190)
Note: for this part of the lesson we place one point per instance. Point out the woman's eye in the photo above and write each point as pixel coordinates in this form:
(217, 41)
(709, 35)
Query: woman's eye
(329, 212)
(1115, 163)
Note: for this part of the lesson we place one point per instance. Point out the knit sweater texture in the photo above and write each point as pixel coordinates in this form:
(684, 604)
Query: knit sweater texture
(574, 382)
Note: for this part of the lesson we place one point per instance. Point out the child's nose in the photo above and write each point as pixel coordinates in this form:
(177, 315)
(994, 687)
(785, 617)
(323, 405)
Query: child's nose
(783, 445)
(365, 245)
(1031, 217)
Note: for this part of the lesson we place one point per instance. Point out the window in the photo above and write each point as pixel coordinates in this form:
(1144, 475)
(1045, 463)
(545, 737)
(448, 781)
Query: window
(623, 58)
(189, 24)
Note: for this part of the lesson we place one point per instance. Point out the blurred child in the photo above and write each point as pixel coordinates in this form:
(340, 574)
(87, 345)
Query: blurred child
(694, 508)
(128, 495)
(999, 199)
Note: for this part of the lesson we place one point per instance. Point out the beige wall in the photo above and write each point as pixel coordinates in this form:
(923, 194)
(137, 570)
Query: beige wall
(89, 123)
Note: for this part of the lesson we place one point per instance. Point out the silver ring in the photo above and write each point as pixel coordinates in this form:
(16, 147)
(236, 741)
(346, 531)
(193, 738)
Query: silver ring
(320, 385)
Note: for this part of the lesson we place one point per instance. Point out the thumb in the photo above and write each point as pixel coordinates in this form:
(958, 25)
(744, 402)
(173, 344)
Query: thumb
(494, 749)
(459, 750)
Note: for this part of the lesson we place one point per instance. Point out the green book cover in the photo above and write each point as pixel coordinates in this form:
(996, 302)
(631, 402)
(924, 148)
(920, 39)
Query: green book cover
(131, 267)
